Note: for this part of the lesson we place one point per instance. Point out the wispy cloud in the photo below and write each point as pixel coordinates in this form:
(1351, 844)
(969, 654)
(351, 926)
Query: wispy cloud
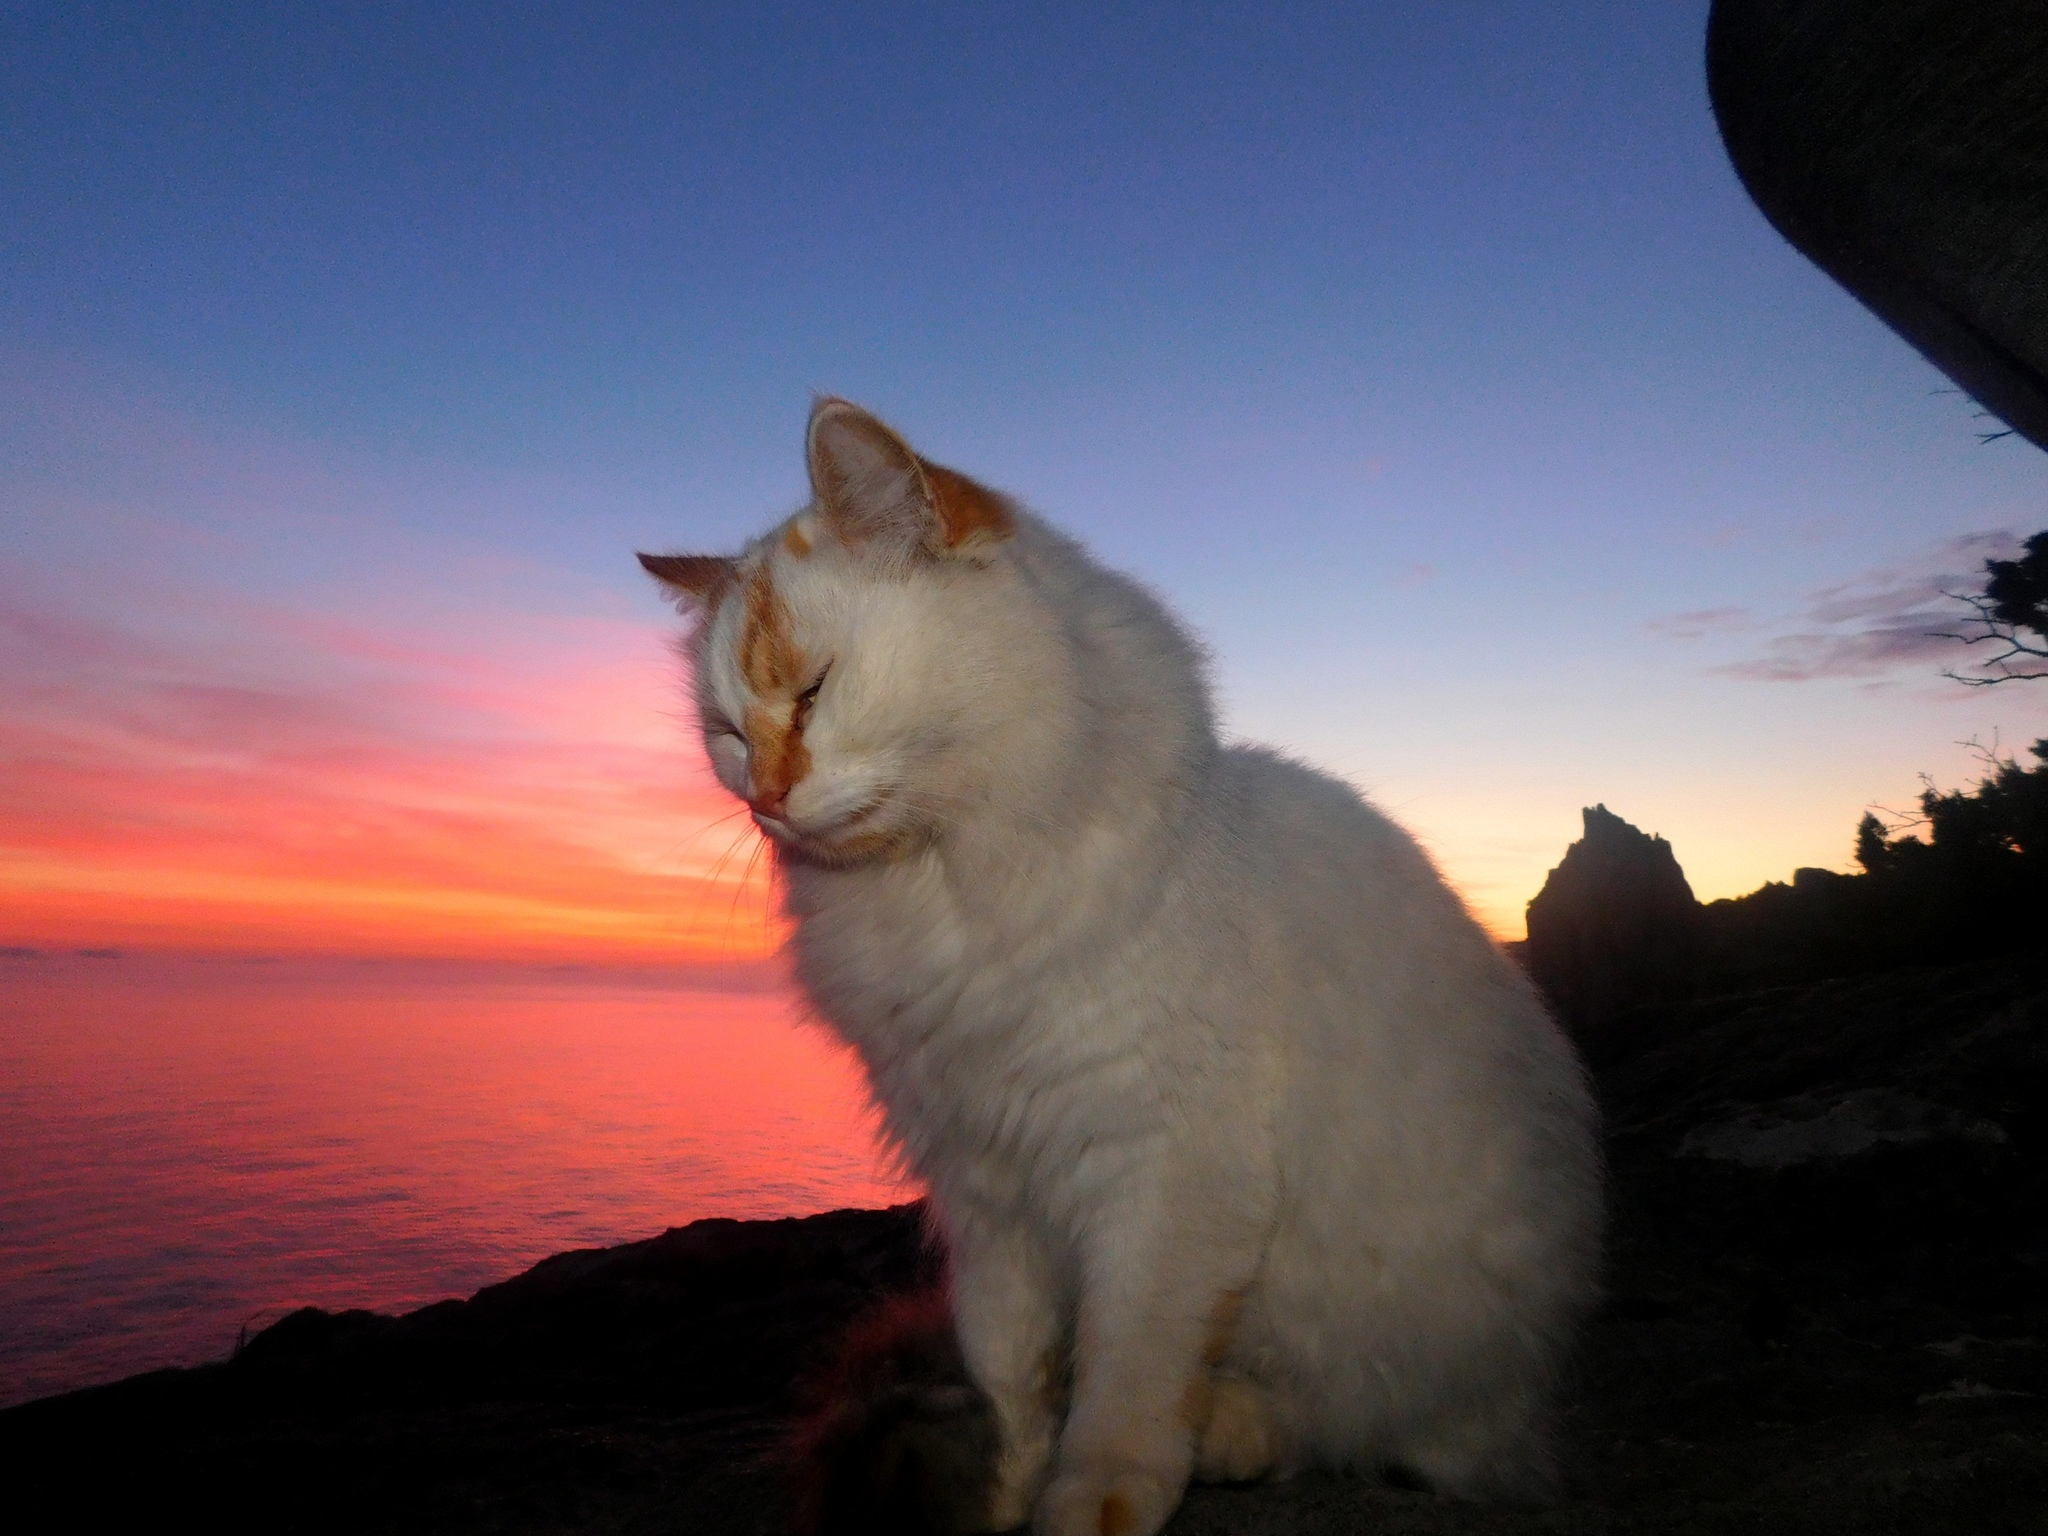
(1701, 623)
(1881, 622)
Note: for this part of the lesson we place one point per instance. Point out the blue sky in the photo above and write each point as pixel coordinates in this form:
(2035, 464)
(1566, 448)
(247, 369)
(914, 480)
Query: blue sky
(1430, 359)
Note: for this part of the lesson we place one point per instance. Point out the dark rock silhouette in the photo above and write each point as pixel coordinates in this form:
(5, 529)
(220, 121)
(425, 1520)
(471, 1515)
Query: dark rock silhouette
(1976, 884)
(1828, 1312)
(601, 1390)
(1615, 925)
(1902, 145)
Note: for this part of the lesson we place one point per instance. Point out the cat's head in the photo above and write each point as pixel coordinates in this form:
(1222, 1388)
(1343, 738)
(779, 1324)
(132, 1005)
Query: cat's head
(852, 663)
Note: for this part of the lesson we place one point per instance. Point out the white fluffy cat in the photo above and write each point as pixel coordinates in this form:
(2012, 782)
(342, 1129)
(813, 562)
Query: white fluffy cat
(1250, 1149)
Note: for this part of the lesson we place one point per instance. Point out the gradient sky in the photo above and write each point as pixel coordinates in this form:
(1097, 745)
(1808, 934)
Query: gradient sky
(1429, 359)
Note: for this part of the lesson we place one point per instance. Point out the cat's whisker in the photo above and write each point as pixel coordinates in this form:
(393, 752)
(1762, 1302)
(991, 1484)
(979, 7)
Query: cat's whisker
(738, 841)
(712, 881)
(675, 851)
(740, 890)
(772, 884)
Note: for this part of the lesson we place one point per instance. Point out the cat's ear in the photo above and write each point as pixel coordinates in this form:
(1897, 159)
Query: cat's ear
(692, 582)
(871, 487)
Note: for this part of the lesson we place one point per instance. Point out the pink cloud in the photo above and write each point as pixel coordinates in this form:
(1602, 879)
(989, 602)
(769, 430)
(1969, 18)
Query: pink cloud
(1878, 623)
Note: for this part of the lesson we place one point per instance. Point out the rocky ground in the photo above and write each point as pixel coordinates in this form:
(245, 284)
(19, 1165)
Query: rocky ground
(1828, 1312)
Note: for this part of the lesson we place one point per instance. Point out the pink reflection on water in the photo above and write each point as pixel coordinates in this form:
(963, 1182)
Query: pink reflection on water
(187, 1146)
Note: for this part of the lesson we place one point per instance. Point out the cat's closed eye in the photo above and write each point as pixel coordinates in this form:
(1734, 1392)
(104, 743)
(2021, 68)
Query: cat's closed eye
(807, 698)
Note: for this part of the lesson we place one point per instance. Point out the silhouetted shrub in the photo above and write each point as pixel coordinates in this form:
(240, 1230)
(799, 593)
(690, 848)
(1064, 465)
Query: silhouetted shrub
(1978, 883)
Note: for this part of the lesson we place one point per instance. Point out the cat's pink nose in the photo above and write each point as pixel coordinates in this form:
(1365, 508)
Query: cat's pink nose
(770, 802)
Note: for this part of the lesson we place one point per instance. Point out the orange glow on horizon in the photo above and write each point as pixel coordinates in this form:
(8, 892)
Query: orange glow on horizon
(362, 796)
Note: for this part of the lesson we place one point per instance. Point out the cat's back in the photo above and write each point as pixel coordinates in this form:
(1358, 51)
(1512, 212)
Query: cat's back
(1365, 957)
(1428, 1090)
(1328, 866)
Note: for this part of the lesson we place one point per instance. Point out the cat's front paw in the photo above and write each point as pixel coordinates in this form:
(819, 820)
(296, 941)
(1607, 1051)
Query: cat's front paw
(1019, 1473)
(1239, 1443)
(1107, 1501)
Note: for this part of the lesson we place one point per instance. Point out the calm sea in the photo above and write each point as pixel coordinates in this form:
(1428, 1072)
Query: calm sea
(191, 1147)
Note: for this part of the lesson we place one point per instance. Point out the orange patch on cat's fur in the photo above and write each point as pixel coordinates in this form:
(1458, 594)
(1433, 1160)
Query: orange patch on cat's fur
(768, 658)
(770, 664)
(703, 578)
(780, 758)
(1118, 1516)
(794, 541)
(968, 511)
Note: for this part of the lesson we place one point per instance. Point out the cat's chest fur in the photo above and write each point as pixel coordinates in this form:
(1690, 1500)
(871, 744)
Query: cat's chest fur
(995, 1032)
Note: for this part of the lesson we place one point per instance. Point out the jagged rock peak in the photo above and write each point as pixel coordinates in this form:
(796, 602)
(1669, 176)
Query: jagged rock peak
(1615, 925)
(1613, 850)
